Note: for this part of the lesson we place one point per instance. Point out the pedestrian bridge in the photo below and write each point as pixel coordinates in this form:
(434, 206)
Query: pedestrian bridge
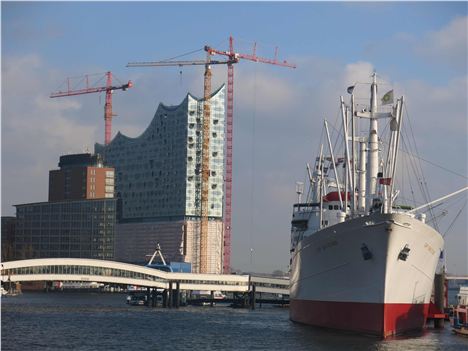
(89, 270)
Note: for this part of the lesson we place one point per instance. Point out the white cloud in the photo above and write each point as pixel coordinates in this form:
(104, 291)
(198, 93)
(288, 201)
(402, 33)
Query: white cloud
(448, 44)
(36, 130)
(267, 94)
(357, 72)
(441, 109)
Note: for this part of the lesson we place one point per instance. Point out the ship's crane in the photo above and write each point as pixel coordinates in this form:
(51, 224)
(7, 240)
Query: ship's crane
(233, 57)
(108, 89)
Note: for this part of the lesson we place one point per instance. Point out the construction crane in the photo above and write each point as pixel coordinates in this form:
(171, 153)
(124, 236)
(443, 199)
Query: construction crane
(205, 172)
(108, 88)
(233, 58)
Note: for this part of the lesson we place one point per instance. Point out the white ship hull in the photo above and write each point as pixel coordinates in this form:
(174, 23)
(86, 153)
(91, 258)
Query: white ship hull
(333, 286)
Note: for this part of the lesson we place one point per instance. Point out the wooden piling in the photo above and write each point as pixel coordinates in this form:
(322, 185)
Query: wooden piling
(154, 298)
(171, 299)
(177, 295)
(252, 297)
(439, 297)
(165, 298)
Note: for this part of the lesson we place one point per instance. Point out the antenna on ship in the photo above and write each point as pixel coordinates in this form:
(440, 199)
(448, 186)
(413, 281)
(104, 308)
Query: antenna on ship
(299, 191)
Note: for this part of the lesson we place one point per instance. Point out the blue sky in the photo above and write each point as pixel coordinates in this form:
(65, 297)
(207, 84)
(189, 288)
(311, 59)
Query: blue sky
(77, 35)
(419, 48)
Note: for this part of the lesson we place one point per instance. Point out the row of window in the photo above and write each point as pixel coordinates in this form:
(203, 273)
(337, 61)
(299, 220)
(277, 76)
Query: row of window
(80, 270)
(113, 272)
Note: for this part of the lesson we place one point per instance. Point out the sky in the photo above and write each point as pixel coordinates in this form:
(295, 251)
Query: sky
(419, 49)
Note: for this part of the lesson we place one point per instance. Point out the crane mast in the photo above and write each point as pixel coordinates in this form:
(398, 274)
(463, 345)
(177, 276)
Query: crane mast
(205, 168)
(234, 57)
(205, 171)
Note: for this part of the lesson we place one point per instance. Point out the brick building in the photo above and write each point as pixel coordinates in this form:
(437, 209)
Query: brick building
(81, 176)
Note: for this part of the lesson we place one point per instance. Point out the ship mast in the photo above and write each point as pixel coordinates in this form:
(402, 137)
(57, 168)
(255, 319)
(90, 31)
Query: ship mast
(368, 192)
(362, 177)
(353, 157)
(347, 176)
(373, 148)
(337, 180)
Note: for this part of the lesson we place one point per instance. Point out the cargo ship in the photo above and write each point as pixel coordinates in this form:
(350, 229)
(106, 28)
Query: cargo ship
(360, 261)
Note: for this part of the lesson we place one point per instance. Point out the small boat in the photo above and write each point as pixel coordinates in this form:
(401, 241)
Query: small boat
(137, 299)
(460, 313)
(11, 292)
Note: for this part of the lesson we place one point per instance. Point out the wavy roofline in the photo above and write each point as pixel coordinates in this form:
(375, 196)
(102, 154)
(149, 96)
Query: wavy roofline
(161, 105)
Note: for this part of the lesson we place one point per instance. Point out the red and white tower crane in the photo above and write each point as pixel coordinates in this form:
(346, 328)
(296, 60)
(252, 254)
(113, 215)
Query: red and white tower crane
(233, 57)
(108, 89)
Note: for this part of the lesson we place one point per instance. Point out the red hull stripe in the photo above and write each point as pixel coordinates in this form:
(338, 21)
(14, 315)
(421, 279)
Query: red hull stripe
(370, 318)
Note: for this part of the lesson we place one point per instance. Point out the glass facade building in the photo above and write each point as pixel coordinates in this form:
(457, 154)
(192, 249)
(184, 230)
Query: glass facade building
(158, 184)
(158, 174)
(76, 229)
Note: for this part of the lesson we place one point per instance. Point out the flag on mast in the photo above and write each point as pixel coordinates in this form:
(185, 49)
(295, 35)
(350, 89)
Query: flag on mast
(388, 98)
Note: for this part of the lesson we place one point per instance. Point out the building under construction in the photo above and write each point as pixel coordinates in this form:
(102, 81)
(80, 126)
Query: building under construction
(158, 184)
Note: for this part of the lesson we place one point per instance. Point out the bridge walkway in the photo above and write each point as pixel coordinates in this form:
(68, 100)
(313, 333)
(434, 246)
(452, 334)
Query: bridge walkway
(102, 271)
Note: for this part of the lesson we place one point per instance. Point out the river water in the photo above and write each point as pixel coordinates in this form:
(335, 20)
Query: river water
(94, 321)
